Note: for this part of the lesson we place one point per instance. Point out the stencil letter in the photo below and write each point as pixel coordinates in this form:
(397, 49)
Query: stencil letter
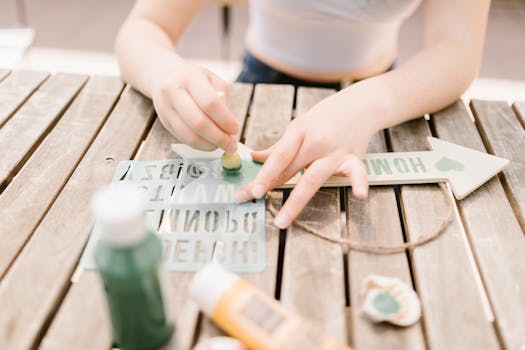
(211, 222)
(253, 227)
(401, 165)
(380, 166)
(194, 220)
(417, 164)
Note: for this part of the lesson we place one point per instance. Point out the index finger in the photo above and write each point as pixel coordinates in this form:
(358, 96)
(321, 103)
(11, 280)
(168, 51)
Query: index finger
(275, 165)
(312, 179)
(205, 96)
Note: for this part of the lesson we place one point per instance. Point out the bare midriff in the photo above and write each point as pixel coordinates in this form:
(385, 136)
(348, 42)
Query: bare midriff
(374, 68)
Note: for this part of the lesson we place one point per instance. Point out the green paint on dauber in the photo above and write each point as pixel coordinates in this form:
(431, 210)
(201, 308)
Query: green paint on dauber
(246, 173)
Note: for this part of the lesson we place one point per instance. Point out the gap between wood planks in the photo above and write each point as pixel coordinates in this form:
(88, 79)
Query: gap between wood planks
(468, 244)
(68, 176)
(77, 271)
(23, 100)
(23, 160)
(75, 276)
(486, 139)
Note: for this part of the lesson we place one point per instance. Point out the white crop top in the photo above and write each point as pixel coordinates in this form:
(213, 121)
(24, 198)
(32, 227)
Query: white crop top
(331, 35)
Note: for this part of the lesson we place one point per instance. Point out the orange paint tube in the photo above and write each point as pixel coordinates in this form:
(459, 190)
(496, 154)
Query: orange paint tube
(257, 320)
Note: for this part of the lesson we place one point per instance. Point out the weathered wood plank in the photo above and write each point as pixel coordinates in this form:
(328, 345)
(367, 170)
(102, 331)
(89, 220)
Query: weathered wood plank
(82, 321)
(271, 110)
(238, 102)
(29, 195)
(308, 97)
(504, 135)
(73, 326)
(41, 272)
(3, 73)
(519, 108)
(375, 221)
(313, 272)
(494, 232)
(453, 313)
(270, 113)
(32, 121)
(15, 89)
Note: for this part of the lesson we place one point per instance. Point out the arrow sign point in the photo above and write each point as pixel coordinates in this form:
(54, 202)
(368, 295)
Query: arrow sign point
(464, 168)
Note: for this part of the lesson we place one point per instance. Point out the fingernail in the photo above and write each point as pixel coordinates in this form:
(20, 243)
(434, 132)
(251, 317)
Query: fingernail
(362, 191)
(232, 147)
(258, 191)
(282, 221)
(241, 196)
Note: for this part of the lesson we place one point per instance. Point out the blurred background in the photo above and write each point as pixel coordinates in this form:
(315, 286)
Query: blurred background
(78, 35)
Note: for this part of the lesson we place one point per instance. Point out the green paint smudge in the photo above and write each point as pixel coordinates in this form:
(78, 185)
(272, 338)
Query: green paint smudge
(447, 164)
(245, 174)
(386, 303)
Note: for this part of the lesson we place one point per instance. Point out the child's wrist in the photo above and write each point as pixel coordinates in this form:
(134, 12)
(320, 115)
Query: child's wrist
(165, 65)
(374, 102)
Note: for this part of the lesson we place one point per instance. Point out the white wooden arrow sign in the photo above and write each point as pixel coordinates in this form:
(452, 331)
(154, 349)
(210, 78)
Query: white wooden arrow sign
(465, 169)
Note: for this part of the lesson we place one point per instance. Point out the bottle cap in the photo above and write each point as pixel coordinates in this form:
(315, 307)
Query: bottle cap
(220, 343)
(209, 284)
(119, 211)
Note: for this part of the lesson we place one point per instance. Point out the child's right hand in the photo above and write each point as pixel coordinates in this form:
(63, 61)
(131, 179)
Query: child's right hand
(189, 106)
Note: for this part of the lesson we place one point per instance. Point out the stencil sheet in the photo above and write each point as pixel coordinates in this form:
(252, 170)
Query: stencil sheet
(191, 207)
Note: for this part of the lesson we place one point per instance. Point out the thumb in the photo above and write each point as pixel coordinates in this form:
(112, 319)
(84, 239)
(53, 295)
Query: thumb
(262, 155)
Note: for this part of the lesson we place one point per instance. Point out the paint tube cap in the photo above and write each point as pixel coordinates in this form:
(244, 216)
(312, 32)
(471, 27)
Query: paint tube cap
(220, 343)
(119, 213)
(209, 284)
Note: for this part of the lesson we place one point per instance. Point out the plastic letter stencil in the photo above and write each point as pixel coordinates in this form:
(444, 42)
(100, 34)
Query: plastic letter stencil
(191, 207)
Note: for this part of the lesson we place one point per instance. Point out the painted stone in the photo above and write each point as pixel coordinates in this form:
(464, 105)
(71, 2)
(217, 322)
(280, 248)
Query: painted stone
(388, 299)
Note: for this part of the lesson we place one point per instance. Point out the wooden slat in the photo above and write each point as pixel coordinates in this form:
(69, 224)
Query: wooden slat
(31, 122)
(375, 221)
(504, 135)
(35, 284)
(81, 321)
(3, 74)
(270, 113)
(238, 102)
(15, 89)
(519, 108)
(83, 311)
(494, 232)
(32, 191)
(453, 313)
(307, 97)
(271, 110)
(313, 271)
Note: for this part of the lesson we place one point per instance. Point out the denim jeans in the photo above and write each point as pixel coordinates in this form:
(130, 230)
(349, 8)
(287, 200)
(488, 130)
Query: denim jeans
(254, 71)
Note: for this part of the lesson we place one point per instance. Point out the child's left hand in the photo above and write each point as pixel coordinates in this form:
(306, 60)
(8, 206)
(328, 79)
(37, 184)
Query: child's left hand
(329, 139)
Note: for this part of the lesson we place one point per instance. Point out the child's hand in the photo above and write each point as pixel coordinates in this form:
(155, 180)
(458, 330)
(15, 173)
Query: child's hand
(189, 105)
(329, 139)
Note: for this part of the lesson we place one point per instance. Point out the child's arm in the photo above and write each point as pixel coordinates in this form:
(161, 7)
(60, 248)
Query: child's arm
(333, 135)
(184, 95)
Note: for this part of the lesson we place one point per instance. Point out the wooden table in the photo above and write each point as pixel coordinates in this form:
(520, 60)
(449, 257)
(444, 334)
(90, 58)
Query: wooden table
(62, 135)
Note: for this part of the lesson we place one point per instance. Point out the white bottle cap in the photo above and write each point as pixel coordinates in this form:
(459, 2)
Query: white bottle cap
(220, 343)
(209, 284)
(119, 211)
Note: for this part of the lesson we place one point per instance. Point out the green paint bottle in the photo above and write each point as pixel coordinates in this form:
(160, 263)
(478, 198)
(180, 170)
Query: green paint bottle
(128, 257)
